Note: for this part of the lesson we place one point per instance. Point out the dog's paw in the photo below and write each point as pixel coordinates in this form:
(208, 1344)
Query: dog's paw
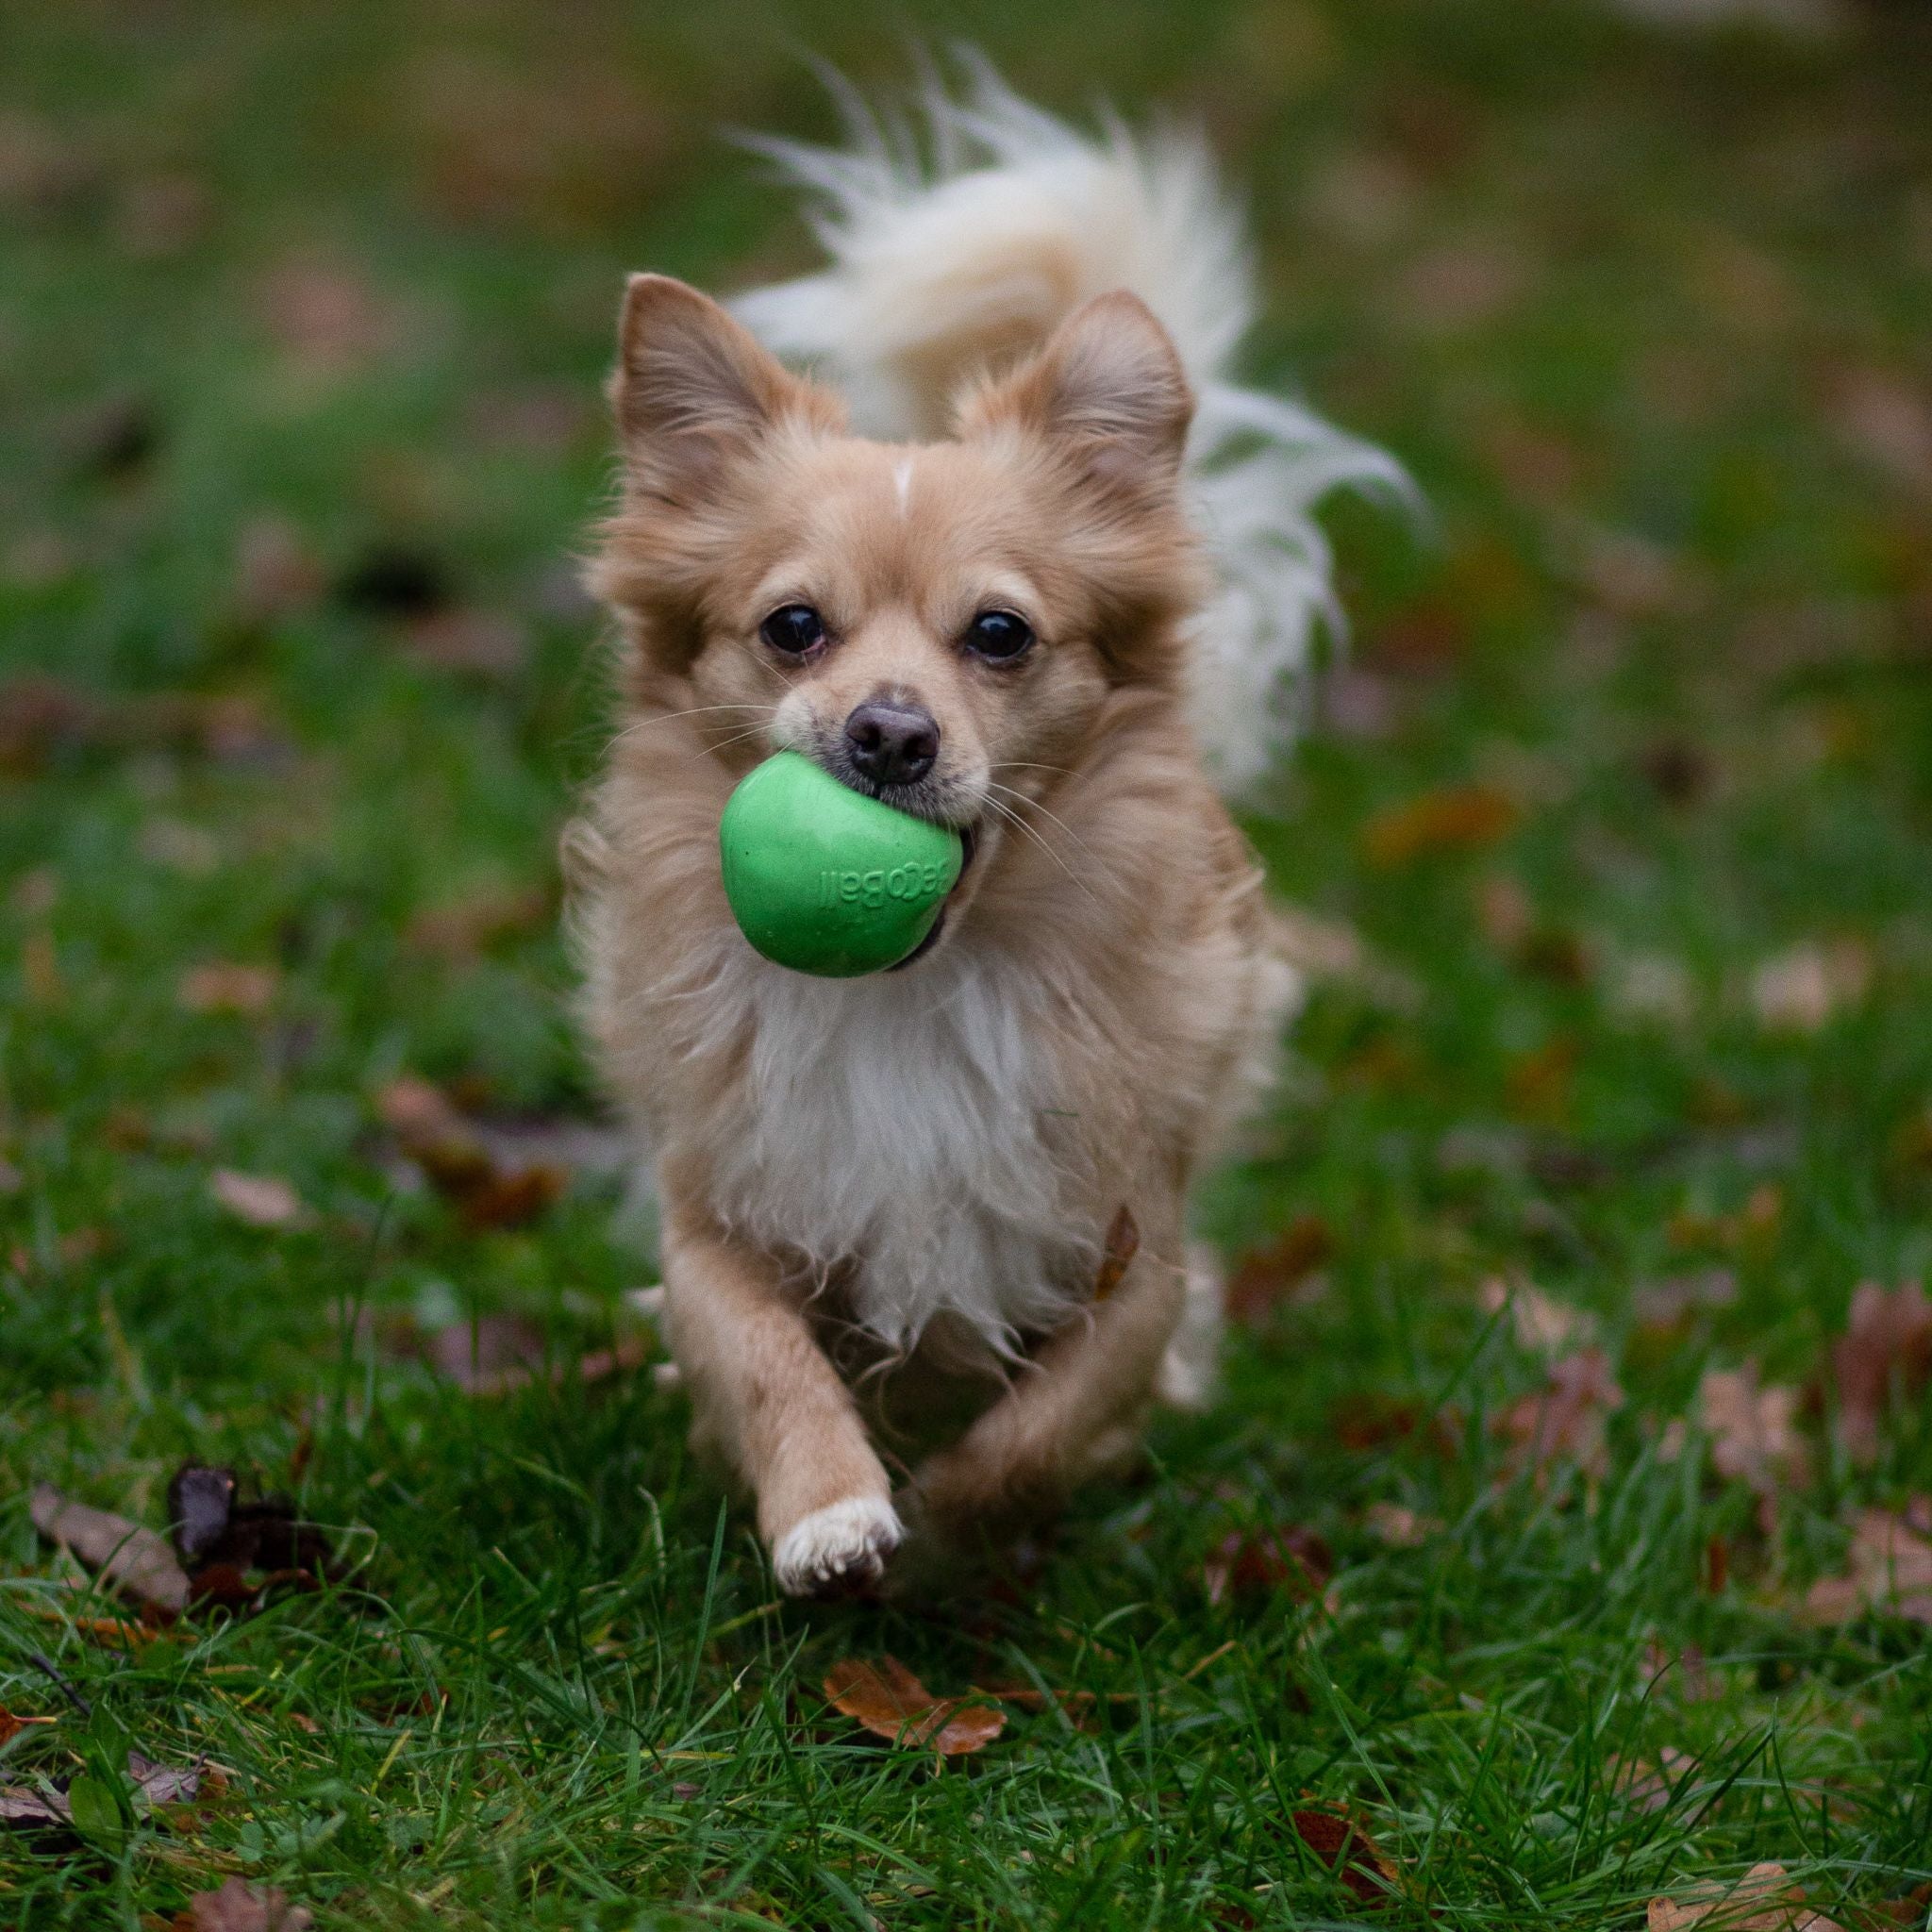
(843, 1546)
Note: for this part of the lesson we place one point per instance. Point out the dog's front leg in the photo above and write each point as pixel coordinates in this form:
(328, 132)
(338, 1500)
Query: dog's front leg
(1076, 1408)
(768, 1398)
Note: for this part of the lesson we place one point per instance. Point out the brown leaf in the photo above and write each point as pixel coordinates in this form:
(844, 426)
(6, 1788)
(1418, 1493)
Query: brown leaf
(1345, 1847)
(1753, 1431)
(239, 1907)
(223, 986)
(1649, 1786)
(1543, 1324)
(124, 1555)
(325, 313)
(462, 928)
(11, 1726)
(1463, 818)
(262, 1200)
(1887, 419)
(1799, 990)
(477, 644)
(892, 1704)
(154, 1786)
(1891, 1572)
(1672, 1303)
(1758, 1902)
(1400, 1526)
(460, 1162)
(1564, 1421)
(1265, 1277)
(1883, 1358)
(1252, 1564)
(1123, 1245)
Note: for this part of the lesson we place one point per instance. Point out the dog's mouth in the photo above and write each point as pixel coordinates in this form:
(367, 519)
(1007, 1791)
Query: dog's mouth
(969, 845)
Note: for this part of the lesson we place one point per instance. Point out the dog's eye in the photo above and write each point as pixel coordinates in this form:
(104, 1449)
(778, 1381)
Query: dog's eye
(998, 635)
(794, 629)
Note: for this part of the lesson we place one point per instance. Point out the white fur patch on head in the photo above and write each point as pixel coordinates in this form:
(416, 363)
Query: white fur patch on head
(847, 1541)
(902, 483)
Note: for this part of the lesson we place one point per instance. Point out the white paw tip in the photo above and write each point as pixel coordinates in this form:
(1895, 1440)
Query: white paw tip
(845, 1542)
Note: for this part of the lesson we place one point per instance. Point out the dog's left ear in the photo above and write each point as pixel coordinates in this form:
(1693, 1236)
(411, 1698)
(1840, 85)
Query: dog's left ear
(1108, 392)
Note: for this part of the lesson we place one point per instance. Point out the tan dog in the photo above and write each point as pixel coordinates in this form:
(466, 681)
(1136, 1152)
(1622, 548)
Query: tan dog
(886, 1202)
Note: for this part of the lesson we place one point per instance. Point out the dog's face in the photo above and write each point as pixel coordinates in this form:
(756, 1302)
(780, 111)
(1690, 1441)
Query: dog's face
(939, 625)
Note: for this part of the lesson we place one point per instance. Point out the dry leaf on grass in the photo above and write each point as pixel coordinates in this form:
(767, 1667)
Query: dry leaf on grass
(125, 1556)
(1890, 1572)
(456, 1156)
(1345, 1847)
(1564, 1421)
(220, 986)
(462, 928)
(1464, 818)
(1758, 1902)
(241, 1553)
(1650, 1787)
(1800, 989)
(892, 1704)
(239, 1907)
(1543, 1324)
(1256, 1563)
(262, 1200)
(11, 1726)
(1753, 1431)
(1884, 1356)
(1265, 1279)
(151, 1787)
(1400, 1526)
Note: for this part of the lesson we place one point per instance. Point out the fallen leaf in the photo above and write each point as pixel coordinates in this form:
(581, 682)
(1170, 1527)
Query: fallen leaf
(892, 1704)
(460, 1162)
(1884, 1360)
(462, 928)
(154, 1786)
(1800, 989)
(1758, 1902)
(1266, 1277)
(223, 986)
(324, 314)
(240, 1907)
(479, 643)
(262, 1200)
(1463, 818)
(1340, 1842)
(1753, 1431)
(11, 1726)
(1887, 419)
(1400, 1526)
(276, 572)
(1650, 1787)
(124, 1554)
(1672, 1303)
(1256, 1563)
(228, 1544)
(1123, 1245)
(1543, 1324)
(1890, 1572)
(1564, 1421)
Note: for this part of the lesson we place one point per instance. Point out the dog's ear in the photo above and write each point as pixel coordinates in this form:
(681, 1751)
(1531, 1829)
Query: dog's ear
(1108, 390)
(694, 392)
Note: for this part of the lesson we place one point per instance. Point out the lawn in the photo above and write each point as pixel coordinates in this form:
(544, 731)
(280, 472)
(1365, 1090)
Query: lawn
(1542, 1533)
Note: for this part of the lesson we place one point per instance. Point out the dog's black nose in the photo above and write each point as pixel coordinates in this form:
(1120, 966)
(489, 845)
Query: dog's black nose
(893, 744)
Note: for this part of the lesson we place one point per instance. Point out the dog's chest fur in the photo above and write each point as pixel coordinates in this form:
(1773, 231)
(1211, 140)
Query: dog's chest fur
(915, 1128)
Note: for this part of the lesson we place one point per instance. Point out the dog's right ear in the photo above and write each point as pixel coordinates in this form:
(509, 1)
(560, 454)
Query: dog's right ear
(694, 392)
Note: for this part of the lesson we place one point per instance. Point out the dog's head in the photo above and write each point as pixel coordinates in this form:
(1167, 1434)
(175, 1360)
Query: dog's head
(937, 625)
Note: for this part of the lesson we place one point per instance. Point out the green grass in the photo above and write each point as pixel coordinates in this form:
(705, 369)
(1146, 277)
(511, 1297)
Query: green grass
(1633, 310)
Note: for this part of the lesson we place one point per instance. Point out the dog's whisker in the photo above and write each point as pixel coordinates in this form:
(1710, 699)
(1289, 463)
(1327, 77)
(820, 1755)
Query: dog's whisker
(672, 717)
(1006, 812)
(1086, 850)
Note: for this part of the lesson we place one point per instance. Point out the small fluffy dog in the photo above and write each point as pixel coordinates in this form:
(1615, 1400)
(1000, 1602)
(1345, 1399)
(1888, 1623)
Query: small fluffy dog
(1065, 573)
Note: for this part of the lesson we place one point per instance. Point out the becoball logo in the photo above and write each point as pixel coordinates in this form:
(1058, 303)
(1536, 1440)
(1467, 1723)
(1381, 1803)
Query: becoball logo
(875, 888)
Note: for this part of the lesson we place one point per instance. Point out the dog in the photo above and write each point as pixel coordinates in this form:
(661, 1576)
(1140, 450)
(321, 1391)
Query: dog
(1017, 558)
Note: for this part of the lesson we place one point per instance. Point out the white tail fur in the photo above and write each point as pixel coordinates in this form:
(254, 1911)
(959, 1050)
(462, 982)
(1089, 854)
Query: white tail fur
(973, 242)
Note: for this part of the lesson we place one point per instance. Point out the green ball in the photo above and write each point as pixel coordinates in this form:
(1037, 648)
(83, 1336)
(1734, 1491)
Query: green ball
(824, 880)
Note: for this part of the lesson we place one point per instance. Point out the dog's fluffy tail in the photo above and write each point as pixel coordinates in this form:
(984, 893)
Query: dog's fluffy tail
(966, 239)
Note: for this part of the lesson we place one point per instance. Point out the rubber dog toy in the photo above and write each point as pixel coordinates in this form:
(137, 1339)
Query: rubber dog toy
(824, 880)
